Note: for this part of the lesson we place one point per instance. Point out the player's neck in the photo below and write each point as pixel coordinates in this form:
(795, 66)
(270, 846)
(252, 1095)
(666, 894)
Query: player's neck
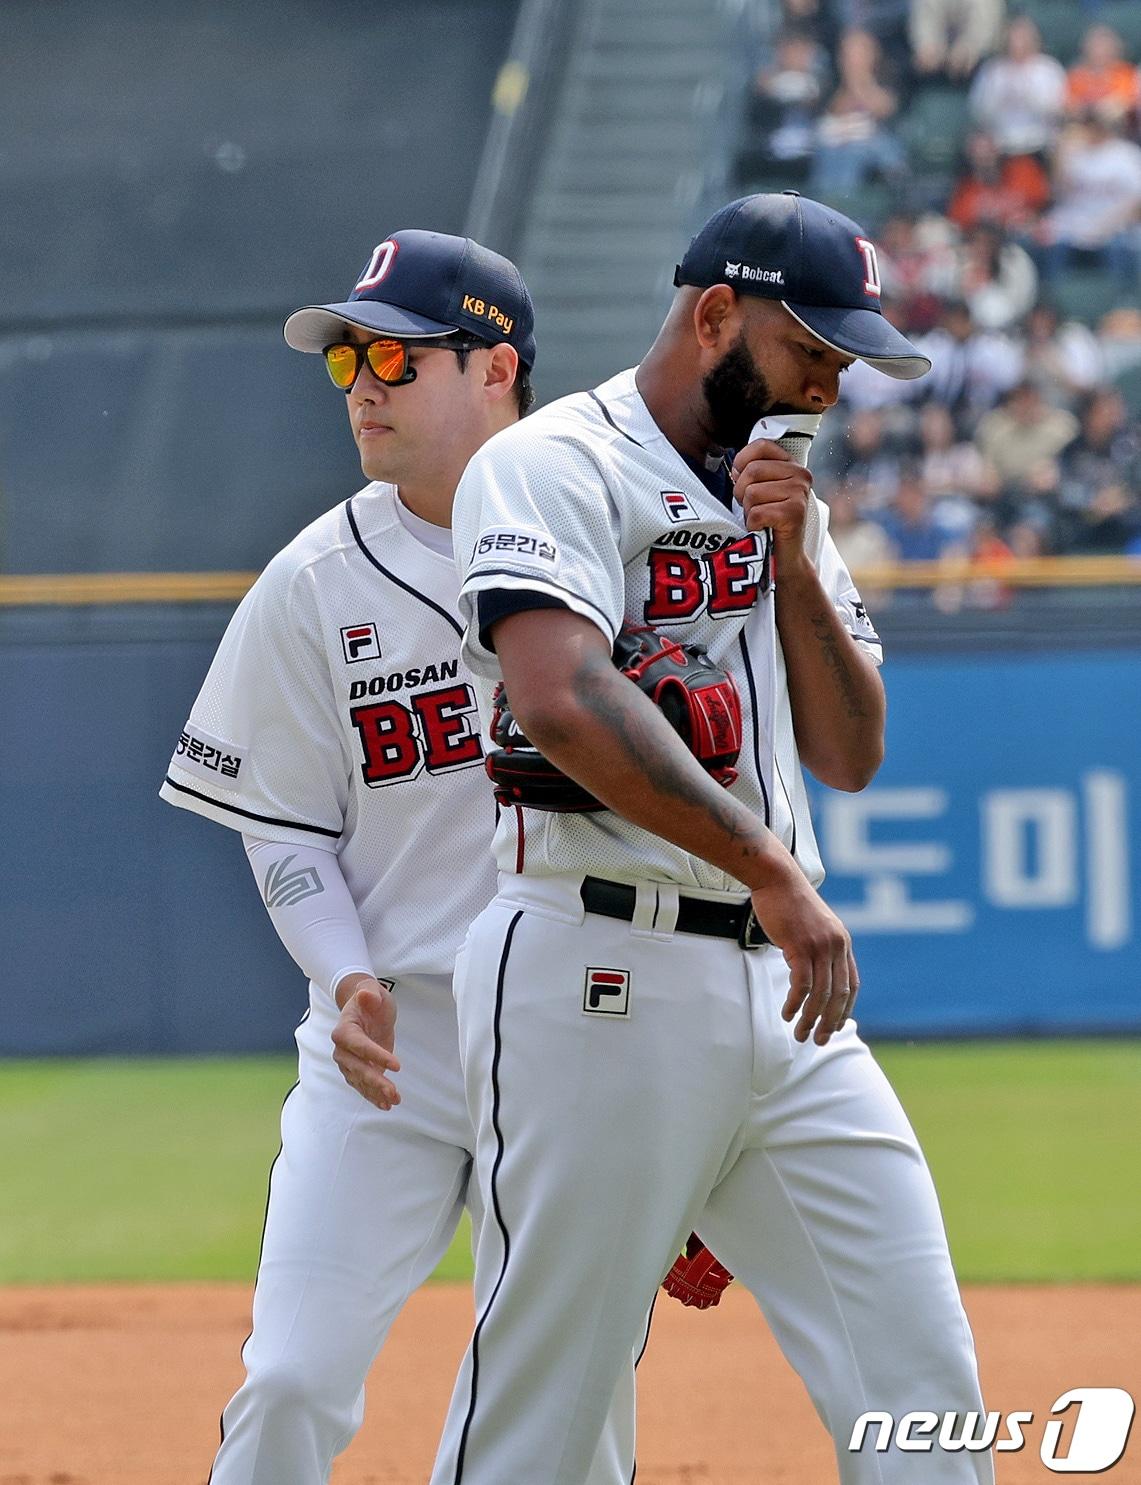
(431, 491)
(671, 392)
(431, 502)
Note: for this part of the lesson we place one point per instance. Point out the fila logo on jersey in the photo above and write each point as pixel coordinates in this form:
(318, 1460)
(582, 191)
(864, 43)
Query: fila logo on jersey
(360, 642)
(606, 992)
(677, 506)
(283, 888)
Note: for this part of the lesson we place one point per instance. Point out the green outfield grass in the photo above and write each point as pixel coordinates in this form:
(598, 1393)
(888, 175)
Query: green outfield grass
(1035, 1153)
(156, 1169)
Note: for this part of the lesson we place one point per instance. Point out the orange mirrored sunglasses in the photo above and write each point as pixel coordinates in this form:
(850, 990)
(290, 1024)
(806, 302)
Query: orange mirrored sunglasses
(387, 359)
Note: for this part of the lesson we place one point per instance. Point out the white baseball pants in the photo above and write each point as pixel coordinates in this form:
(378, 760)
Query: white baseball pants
(362, 1207)
(610, 1125)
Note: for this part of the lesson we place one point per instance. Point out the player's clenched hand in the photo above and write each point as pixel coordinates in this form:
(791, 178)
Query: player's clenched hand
(824, 980)
(773, 490)
(363, 1039)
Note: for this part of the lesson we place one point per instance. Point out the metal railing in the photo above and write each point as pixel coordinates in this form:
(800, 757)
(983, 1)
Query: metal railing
(1017, 572)
(113, 588)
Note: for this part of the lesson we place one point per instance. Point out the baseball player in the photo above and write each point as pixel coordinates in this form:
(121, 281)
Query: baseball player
(337, 731)
(655, 1010)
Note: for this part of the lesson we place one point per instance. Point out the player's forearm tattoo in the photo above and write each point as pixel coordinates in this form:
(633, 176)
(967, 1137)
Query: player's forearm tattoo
(594, 686)
(846, 685)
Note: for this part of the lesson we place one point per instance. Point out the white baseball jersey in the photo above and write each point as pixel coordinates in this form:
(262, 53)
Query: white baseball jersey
(587, 502)
(337, 710)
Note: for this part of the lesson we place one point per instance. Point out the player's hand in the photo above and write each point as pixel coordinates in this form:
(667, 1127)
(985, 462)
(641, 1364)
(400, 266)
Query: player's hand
(823, 978)
(363, 1039)
(773, 489)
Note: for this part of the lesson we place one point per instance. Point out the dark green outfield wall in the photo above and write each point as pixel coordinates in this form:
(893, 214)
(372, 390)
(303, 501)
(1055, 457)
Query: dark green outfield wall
(174, 179)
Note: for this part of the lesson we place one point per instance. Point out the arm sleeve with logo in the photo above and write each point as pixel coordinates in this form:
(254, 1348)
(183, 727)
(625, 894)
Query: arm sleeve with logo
(535, 515)
(841, 590)
(310, 905)
(264, 748)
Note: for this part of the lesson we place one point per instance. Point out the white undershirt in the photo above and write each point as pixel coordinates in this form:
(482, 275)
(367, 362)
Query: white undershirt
(435, 538)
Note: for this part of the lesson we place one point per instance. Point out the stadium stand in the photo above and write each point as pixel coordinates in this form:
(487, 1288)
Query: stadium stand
(1021, 198)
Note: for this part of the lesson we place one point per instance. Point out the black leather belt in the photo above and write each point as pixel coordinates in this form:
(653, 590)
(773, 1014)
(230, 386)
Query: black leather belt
(735, 920)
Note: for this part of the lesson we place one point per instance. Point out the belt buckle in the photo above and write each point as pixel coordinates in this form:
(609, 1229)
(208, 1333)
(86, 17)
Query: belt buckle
(751, 935)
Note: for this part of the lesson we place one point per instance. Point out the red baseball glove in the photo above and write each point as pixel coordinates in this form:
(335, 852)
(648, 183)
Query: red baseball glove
(699, 699)
(697, 1279)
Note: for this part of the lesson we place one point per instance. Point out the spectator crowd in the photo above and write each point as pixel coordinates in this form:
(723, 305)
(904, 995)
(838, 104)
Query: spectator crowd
(1026, 438)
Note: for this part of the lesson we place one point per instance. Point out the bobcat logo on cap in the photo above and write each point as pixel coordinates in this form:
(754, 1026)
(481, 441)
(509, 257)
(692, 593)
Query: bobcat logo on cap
(752, 274)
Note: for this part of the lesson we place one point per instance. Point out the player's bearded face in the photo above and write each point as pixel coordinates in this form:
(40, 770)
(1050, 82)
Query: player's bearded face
(736, 394)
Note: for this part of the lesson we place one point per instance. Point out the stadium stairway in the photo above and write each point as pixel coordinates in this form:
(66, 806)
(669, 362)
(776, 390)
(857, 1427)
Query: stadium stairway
(619, 189)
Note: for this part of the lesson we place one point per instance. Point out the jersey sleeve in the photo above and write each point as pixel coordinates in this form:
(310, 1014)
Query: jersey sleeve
(534, 515)
(842, 591)
(263, 750)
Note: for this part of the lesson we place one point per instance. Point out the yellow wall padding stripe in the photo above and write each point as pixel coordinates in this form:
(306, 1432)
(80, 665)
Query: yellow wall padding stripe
(1022, 572)
(65, 588)
(112, 588)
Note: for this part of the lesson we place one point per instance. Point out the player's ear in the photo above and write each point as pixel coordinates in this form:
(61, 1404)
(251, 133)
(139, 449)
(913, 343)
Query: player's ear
(500, 369)
(715, 315)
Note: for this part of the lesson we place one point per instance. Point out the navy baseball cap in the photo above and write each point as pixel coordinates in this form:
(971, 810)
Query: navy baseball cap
(420, 284)
(818, 263)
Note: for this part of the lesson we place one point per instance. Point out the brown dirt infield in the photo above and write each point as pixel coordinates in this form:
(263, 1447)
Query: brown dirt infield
(121, 1385)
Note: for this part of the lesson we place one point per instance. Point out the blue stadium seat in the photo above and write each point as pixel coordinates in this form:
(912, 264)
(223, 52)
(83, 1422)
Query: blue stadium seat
(934, 127)
(1125, 18)
(1128, 383)
(871, 205)
(1062, 24)
(1086, 294)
